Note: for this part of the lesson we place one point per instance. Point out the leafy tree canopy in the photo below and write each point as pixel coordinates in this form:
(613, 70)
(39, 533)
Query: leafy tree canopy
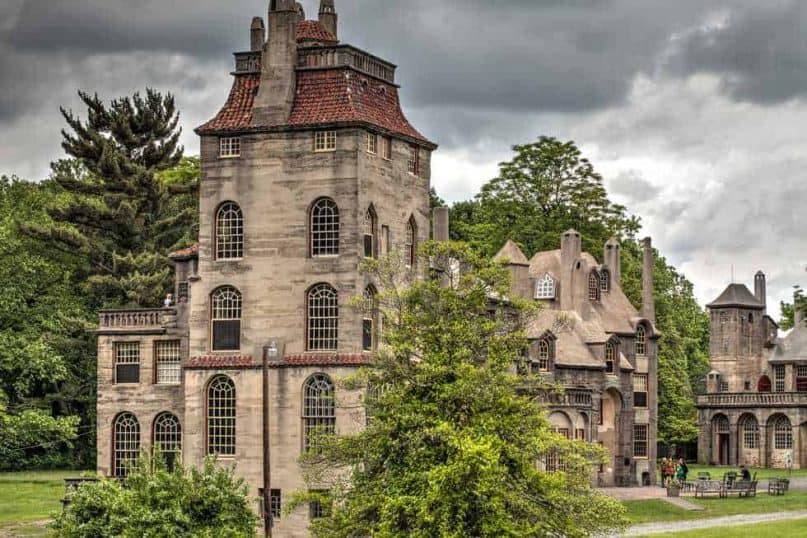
(788, 320)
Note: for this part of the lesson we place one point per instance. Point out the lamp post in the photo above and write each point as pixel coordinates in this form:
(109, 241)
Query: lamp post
(270, 352)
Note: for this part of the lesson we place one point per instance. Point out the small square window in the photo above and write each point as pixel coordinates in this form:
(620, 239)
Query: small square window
(372, 143)
(325, 141)
(229, 147)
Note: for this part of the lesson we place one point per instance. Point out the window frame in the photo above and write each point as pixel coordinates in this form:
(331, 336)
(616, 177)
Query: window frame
(236, 306)
(605, 280)
(413, 160)
(221, 437)
(117, 349)
(229, 246)
(800, 382)
(170, 436)
(324, 141)
(641, 397)
(750, 435)
(594, 292)
(371, 143)
(386, 148)
(411, 242)
(640, 341)
(782, 436)
(369, 319)
(131, 436)
(641, 441)
(370, 234)
(611, 357)
(318, 410)
(545, 288)
(779, 377)
(324, 228)
(322, 336)
(229, 147)
(176, 345)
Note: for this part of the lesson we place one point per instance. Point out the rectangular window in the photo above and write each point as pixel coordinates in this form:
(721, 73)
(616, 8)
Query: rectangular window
(779, 378)
(367, 334)
(127, 362)
(275, 504)
(640, 440)
(168, 363)
(580, 434)
(724, 386)
(414, 160)
(229, 147)
(372, 143)
(316, 509)
(325, 141)
(386, 148)
(640, 390)
(183, 292)
(226, 335)
(801, 378)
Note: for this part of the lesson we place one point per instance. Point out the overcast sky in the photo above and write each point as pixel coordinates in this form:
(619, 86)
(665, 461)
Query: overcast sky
(693, 110)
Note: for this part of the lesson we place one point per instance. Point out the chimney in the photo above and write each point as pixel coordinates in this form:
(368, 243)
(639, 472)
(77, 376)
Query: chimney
(612, 258)
(570, 252)
(440, 224)
(798, 312)
(257, 34)
(328, 17)
(760, 289)
(278, 76)
(648, 305)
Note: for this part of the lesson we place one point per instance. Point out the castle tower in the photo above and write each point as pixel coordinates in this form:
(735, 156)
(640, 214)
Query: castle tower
(737, 327)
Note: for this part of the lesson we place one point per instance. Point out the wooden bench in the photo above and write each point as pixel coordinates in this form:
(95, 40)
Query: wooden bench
(710, 487)
(743, 488)
(776, 487)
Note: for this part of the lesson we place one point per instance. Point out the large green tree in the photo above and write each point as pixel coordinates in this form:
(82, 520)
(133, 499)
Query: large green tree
(455, 433)
(115, 211)
(788, 320)
(549, 187)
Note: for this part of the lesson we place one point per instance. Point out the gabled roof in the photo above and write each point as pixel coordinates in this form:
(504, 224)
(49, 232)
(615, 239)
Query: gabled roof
(736, 295)
(793, 347)
(314, 31)
(512, 253)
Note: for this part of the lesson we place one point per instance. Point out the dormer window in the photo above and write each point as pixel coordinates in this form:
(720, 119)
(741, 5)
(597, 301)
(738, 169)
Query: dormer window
(610, 357)
(325, 141)
(593, 287)
(545, 287)
(605, 280)
(543, 354)
(229, 147)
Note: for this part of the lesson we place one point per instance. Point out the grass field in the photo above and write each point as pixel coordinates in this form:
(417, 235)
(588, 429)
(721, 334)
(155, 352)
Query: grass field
(762, 474)
(780, 529)
(27, 498)
(657, 510)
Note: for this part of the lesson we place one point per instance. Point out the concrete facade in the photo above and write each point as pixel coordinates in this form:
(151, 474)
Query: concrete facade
(754, 410)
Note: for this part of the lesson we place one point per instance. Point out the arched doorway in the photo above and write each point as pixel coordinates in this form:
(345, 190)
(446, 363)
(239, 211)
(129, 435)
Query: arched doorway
(609, 435)
(721, 435)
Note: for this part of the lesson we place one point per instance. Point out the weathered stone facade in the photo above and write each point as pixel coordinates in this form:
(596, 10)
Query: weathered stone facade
(754, 411)
(592, 341)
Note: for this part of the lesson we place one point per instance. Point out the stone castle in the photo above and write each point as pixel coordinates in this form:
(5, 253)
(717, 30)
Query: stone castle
(754, 411)
(309, 168)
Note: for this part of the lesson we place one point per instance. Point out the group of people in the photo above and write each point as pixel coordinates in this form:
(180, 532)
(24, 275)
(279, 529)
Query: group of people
(671, 470)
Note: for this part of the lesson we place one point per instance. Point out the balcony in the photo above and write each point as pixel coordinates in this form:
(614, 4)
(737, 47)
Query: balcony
(753, 399)
(140, 321)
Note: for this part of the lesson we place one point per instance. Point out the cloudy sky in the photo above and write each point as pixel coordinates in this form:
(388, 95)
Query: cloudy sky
(693, 110)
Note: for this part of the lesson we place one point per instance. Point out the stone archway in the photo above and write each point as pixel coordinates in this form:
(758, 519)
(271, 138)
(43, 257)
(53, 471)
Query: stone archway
(721, 440)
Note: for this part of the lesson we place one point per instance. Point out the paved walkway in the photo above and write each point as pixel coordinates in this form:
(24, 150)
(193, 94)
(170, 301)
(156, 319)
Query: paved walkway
(726, 521)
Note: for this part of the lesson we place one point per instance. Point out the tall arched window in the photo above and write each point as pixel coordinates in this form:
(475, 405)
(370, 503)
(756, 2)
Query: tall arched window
(319, 411)
(324, 228)
(168, 438)
(221, 417)
(369, 317)
(782, 434)
(410, 245)
(593, 287)
(125, 443)
(544, 354)
(225, 317)
(605, 280)
(370, 233)
(545, 287)
(641, 340)
(750, 428)
(229, 232)
(610, 356)
(323, 318)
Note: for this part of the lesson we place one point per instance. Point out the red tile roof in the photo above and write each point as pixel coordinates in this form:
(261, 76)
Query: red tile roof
(237, 112)
(186, 253)
(314, 31)
(325, 359)
(214, 362)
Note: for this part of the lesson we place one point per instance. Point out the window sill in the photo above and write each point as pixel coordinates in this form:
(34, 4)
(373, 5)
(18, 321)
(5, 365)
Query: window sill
(228, 260)
(325, 150)
(229, 157)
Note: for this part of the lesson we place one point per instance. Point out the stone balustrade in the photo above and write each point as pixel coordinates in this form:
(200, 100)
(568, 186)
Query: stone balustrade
(569, 398)
(753, 399)
(136, 320)
(346, 56)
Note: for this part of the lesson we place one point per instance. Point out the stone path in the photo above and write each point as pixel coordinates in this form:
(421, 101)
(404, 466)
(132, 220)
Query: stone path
(726, 521)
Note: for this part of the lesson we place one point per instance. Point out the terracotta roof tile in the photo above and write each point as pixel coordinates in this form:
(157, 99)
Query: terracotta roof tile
(320, 359)
(314, 31)
(220, 362)
(186, 253)
(237, 112)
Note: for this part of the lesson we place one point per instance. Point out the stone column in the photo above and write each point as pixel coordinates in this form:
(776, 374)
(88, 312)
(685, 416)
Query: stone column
(763, 444)
(734, 431)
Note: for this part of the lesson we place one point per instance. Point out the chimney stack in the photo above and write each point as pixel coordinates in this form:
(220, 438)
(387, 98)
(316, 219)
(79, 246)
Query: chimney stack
(648, 304)
(278, 77)
(612, 258)
(257, 34)
(760, 289)
(440, 224)
(328, 17)
(570, 251)
(798, 313)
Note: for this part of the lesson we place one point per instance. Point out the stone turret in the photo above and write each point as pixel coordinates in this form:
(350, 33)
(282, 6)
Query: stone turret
(328, 17)
(612, 258)
(275, 98)
(570, 251)
(519, 267)
(648, 303)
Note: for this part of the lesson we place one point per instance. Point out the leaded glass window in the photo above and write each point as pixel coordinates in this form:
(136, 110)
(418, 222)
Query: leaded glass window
(545, 287)
(782, 434)
(323, 318)
(640, 440)
(127, 362)
(226, 319)
(319, 411)
(126, 444)
(605, 280)
(610, 357)
(369, 233)
(324, 228)
(221, 409)
(369, 315)
(168, 363)
(750, 432)
(593, 287)
(229, 232)
(168, 438)
(640, 390)
(641, 341)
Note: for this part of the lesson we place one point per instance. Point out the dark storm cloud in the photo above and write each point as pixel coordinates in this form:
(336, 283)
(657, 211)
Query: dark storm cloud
(760, 52)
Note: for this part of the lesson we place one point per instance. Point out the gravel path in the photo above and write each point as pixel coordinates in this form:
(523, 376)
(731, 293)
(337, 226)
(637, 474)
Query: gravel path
(726, 521)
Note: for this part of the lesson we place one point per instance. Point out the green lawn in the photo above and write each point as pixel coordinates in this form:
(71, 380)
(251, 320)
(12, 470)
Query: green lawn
(796, 528)
(762, 474)
(30, 497)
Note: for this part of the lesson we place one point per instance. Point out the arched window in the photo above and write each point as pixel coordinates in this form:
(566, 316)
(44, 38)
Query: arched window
(764, 384)
(410, 245)
(221, 417)
(610, 356)
(782, 434)
(229, 232)
(225, 317)
(319, 411)
(641, 341)
(369, 233)
(544, 354)
(369, 317)
(605, 280)
(750, 432)
(721, 424)
(323, 318)
(545, 287)
(125, 443)
(593, 287)
(168, 438)
(324, 232)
